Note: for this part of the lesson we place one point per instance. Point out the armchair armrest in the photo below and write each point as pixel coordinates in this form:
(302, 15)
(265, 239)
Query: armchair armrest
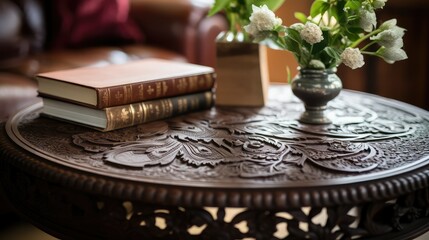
(181, 26)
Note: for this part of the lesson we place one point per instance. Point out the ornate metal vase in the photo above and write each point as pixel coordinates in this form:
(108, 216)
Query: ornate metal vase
(316, 88)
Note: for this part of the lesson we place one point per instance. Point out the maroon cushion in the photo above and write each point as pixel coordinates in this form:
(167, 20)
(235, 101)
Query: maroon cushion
(83, 23)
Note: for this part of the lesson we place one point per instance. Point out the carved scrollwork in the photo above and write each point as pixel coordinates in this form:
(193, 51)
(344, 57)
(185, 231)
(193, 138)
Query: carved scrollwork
(367, 135)
(269, 176)
(102, 217)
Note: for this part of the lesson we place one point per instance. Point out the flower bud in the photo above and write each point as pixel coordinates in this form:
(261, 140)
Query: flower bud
(379, 4)
(388, 24)
(316, 64)
(391, 55)
(311, 33)
(368, 20)
(352, 57)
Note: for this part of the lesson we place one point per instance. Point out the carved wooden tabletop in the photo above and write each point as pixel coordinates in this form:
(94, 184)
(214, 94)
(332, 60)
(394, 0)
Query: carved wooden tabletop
(376, 149)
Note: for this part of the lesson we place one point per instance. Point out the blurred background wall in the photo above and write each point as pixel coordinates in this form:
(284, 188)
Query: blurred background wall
(407, 80)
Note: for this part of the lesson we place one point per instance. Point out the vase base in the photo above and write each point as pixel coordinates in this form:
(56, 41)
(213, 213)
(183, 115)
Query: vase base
(315, 117)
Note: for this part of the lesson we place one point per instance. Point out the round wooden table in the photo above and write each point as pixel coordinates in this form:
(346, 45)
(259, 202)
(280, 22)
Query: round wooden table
(226, 173)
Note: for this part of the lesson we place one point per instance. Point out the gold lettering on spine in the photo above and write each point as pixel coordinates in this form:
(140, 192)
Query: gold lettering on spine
(158, 90)
(140, 90)
(104, 98)
(182, 85)
(119, 97)
(125, 115)
(157, 111)
(169, 108)
(145, 112)
(139, 113)
(150, 90)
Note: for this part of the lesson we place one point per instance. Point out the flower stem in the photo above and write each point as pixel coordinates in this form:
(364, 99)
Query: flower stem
(363, 38)
(370, 53)
(367, 46)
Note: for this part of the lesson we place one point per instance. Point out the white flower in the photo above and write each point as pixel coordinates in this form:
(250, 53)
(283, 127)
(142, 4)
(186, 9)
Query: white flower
(251, 29)
(368, 20)
(262, 19)
(391, 55)
(388, 24)
(352, 58)
(379, 4)
(397, 43)
(297, 26)
(311, 33)
(391, 37)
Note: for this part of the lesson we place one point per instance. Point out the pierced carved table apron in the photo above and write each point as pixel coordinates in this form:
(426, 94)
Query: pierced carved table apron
(226, 173)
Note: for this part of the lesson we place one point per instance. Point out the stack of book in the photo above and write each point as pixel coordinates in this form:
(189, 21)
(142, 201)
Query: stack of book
(118, 96)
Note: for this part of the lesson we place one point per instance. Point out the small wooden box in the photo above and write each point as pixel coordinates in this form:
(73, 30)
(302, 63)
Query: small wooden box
(242, 74)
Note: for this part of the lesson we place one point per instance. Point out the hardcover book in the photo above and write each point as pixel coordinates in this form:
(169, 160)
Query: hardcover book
(117, 117)
(115, 85)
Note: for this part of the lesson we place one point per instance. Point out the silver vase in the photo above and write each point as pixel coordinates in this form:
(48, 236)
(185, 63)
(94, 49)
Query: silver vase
(316, 88)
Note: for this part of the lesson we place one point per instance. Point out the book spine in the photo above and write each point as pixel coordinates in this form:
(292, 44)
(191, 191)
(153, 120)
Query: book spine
(137, 113)
(138, 92)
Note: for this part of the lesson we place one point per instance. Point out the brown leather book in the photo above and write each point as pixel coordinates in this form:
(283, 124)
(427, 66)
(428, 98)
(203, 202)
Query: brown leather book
(137, 81)
(117, 117)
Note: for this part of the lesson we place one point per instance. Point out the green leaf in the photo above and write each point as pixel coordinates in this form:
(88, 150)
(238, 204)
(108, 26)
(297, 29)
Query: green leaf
(333, 12)
(318, 47)
(292, 45)
(352, 36)
(330, 57)
(331, 52)
(218, 6)
(293, 34)
(318, 7)
(271, 4)
(353, 5)
(339, 13)
(301, 17)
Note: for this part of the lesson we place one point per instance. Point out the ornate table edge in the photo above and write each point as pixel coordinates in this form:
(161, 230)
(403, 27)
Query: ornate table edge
(13, 159)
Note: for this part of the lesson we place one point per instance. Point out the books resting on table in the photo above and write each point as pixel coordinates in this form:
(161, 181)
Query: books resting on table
(118, 96)
(115, 85)
(116, 117)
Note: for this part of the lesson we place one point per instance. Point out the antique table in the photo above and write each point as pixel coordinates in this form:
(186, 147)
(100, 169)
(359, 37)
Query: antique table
(226, 173)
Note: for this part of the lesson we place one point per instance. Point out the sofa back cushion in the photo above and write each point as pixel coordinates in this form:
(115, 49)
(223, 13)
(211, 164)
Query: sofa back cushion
(22, 30)
(83, 23)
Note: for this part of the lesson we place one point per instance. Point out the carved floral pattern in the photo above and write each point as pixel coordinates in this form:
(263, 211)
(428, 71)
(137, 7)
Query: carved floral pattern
(367, 135)
(229, 146)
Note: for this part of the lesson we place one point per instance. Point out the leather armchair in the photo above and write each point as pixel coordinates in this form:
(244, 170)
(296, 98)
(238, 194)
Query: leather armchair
(173, 29)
